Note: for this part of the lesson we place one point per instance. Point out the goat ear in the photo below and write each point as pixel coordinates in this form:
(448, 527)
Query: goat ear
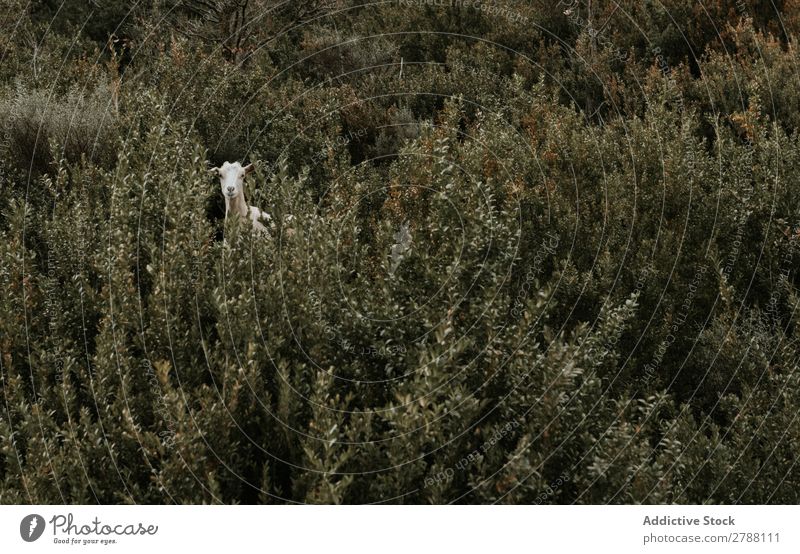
(248, 169)
(214, 171)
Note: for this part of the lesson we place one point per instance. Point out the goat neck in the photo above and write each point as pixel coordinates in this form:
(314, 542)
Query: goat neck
(237, 205)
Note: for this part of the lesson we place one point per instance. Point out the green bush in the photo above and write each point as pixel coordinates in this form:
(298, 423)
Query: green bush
(40, 128)
(528, 269)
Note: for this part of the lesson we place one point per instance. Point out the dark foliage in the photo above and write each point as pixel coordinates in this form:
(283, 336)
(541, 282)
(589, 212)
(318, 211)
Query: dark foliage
(541, 252)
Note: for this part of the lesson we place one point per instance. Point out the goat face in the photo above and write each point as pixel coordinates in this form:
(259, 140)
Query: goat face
(231, 178)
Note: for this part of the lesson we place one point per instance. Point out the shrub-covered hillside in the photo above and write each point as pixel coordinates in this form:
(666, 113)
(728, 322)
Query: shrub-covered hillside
(540, 252)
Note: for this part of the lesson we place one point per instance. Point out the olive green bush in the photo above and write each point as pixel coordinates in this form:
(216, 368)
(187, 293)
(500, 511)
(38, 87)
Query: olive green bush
(40, 129)
(536, 265)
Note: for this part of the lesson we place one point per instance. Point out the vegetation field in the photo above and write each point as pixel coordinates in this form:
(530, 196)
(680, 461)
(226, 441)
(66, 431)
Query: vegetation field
(523, 252)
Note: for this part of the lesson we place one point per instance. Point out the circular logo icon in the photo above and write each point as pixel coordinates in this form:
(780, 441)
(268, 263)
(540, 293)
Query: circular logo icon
(31, 527)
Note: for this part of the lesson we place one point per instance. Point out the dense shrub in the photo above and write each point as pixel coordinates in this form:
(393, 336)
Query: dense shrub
(537, 265)
(40, 129)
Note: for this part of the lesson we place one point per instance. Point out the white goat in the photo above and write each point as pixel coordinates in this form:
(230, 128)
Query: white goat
(231, 178)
